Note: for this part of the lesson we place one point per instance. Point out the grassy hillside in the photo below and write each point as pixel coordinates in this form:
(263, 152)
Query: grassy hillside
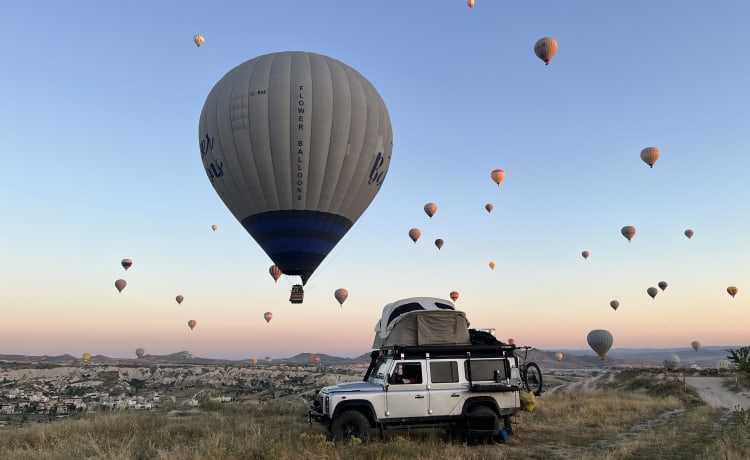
(630, 416)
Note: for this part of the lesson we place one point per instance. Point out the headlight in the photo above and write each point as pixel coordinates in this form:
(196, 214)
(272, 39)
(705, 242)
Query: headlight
(326, 404)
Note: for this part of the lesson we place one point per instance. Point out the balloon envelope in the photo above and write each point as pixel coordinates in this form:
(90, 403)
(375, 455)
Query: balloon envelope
(652, 291)
(275, 272)
(439, 243)
(559, 356)
(414, 234)
(192, 323)
(649, 155)
(254, 361)
(696, 345)
(663, 285)
(628, 232)
(126, 263)
(671, 362)
(454, 295)
(86, 357)
(139, 352)
(492, 265)
(470, 3)
(315, 359)
(198, 40)
(430, 209)
(214, 227)
(614, 304)
(179, 299)
(600, 341)
(268, 316)
(545, 48)
(497, 175)
(585, 254)
(341, 295)
(732, 290)
(489, 207)
(297, 145)
(689, 233)
(120, 285)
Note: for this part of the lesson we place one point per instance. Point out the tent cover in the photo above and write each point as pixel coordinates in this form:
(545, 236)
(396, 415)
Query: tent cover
(421, 321)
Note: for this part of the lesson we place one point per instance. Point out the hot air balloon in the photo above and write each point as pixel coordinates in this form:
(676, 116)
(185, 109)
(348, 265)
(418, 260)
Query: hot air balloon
(559, 356)
(268, 316)
(198, 40)
(492, 265)
(454, 295)
(662, 285)
(120, 285)
(649, 155)
(689, 233)
(585, 254)
(652, 291)
(430, 209)
(126, 263)
(497, 175)
(179, 299)
(139, 352)
(724, 364)
(315, 359)
(253, 361)
(341, 295)
(545, 48)
(470, 3)
(615, 304)
(671, 362)
(489, 207)
(732, 290)
(628, 232)
(275, 272)
(192, 323)
(214, 227)
(297, 145)
(414, 234)
(696, 345)
(600, 341)
(511, 341)
(86, 357)
(439, 243)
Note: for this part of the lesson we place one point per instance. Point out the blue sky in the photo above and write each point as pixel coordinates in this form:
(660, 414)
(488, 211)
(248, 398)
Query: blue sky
(100, 106)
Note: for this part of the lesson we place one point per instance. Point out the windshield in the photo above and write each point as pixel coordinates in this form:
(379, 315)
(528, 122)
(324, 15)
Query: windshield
(381, 369)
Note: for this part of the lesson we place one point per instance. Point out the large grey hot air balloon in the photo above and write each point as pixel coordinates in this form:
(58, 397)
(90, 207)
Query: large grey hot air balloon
(600, 341)
(297, 145)
(671, 362)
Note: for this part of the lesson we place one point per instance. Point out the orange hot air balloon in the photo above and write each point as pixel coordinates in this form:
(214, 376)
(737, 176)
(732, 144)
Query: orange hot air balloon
(489, 207)
(497, 175)
(439, 243)
(545, 48)
(253, 361)
(492, 265)
(454, 295)
(126, 263)
(559, 356)
(179, 299)
(198, 40)
(192, 323)
(614, 304)
(341, 295)
(585, 254)
(414, 234)
(649, 155)
(511, 341)
(214, 227)
(470, 3)
(732, 290)
(268, 316)
(628, 232)
(275, 272)
(315, 359)
(430, 209)
(120, 285)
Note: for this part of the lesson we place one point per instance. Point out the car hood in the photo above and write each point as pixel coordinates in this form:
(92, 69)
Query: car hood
(352, 386)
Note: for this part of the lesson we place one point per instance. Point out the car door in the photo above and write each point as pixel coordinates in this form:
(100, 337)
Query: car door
(445, 390)
(409, 398)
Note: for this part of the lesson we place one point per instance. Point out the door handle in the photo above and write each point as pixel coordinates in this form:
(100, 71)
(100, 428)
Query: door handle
(455, 395)
(419, 397)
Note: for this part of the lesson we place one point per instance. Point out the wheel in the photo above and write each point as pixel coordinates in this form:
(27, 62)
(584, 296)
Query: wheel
(482, 425)
(350, 424)
(533, 381)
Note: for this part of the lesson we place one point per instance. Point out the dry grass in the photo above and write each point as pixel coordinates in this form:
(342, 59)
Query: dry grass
(645, 420)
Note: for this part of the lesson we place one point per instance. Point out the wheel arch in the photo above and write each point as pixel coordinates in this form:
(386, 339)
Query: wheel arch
(359, 405)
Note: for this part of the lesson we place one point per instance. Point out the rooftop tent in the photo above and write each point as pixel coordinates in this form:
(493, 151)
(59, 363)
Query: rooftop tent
(421, 321)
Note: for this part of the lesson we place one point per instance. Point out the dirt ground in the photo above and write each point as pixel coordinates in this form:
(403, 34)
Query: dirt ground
(712, 390)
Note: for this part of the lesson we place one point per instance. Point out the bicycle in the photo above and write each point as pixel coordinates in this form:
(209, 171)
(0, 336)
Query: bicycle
(531, 374)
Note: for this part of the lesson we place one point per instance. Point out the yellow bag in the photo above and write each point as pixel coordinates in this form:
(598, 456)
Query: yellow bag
(528, 401)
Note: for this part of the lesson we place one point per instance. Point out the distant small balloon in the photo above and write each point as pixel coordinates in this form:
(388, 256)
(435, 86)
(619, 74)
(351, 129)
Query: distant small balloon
(192, 323)
(414, 234)
(614, 304)
(628, 232)
(268, 316)
(439, 243)
(511, 341)
(652, 291)
(275, 272)
(179, 299)
(470, 3)
(492, 265)
(198, 40)
(489, 207)
(559, 356)
(126, 263)
(315, 359)
(341, 295)
(254, 361)
(696, 345)
(454, 295)
(86, 357)
(497, 175)
(214, 227)
(545, 48)
(663, 285)
(689, 233)
(585, 254)
(732, 290)
(120, 285)
(649, 155)
(430, 209)
(139, 352)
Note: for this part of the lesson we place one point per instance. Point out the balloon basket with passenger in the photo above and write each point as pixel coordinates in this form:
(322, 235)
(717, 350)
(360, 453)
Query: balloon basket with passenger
(297, 295)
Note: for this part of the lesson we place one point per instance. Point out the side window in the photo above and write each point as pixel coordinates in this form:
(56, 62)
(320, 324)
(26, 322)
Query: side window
(444, 372)
(485, 369)
(407, 373)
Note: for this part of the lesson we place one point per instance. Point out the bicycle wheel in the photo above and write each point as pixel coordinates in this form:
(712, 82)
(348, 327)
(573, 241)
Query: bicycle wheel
(533, 380)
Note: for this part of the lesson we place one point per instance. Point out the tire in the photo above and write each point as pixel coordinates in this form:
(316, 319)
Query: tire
(482, 425)
(533, 381)
(350, 424)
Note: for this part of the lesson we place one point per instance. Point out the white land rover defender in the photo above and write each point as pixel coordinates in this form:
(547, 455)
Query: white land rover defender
(426, 372)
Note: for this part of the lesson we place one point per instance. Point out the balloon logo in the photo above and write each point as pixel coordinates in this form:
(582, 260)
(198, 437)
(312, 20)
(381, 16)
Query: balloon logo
(497, 176)
(696, 345)
(454, 295)
(275, 272)
(492, 265)
(192, 323)
(628, 232)
(198, 40)
(120, 285)
(297, 145)
(489, 207)
(341, 295)
(732, 290)
(268, 316)
(585, 255)
(430, 209)
(649, 155)
(126, 263)
(414, 234)
(615, 304)
(600, 341)
(179, 299)
(652, 291)
(545, 48)
(439, 243)
(689, 233)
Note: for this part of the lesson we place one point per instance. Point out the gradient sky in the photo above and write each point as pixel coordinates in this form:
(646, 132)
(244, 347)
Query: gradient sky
(99, 112)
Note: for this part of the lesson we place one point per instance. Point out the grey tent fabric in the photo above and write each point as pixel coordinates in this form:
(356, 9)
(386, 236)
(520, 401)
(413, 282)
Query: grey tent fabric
(427, 327)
